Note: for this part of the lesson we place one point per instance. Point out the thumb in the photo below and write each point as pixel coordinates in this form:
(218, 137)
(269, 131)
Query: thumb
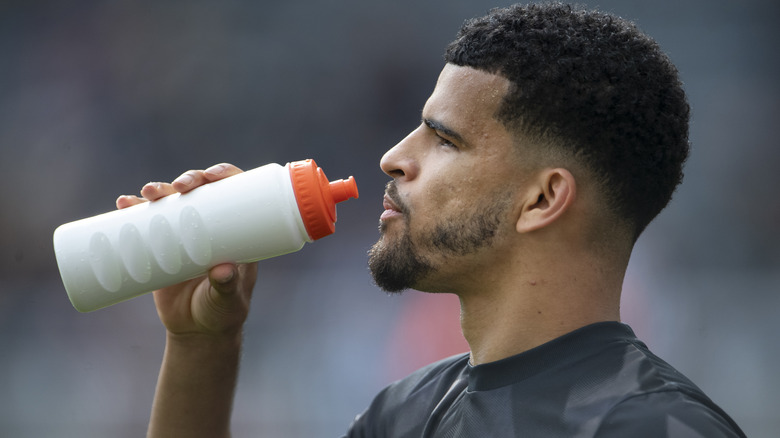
(224, 278)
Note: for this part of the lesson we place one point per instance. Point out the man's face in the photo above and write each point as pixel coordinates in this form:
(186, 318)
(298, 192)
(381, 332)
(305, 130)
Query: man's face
(449, 208)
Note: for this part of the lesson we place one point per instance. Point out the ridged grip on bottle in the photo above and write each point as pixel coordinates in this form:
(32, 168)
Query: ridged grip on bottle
(124, 253)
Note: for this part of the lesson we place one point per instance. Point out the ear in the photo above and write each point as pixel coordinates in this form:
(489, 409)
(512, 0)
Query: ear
(549, 195)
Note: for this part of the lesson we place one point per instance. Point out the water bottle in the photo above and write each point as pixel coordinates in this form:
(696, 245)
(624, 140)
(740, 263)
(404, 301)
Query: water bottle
(262, 213)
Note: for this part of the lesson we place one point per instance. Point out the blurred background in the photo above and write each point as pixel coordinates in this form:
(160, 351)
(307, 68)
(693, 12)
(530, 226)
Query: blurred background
(99, 97)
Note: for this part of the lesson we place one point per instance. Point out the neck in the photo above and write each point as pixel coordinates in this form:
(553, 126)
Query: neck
(527, 310)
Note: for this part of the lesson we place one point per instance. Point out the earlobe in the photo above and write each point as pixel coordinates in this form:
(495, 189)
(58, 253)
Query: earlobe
(548, 197)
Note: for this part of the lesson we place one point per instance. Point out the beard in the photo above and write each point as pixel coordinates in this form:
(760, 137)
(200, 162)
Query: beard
(396, 267)
(401, 264)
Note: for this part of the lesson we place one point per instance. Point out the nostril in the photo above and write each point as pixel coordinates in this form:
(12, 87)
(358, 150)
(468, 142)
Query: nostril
(396, 173)
(401, 169)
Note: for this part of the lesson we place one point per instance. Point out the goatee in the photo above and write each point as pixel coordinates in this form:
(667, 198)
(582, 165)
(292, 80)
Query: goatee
(398, 264)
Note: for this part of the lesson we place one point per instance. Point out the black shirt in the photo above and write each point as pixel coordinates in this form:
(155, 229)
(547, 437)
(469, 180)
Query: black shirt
(598, 381)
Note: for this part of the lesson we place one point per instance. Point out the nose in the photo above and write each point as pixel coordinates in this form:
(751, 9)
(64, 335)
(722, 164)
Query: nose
(399, 161)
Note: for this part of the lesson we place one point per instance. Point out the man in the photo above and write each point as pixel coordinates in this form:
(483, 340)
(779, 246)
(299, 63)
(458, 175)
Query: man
(552, 138)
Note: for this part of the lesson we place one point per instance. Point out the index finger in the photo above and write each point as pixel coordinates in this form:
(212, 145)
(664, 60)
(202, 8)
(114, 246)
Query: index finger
(220, 171)
(196, 178)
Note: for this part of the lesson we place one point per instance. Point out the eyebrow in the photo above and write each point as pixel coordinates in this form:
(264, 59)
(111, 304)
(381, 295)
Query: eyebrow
(438, 126)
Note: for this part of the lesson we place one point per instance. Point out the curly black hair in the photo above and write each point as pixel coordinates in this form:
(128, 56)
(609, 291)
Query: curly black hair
(595, 86)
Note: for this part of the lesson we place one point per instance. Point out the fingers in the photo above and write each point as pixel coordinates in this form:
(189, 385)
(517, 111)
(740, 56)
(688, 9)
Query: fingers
(125, 201)
(155, 190)
(194, 178)
(149, 192)
(187, 181)
(219, 171)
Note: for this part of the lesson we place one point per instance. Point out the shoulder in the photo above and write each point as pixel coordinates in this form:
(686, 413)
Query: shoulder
(665, 403)
(445, 370)
(425, 383)
(406, 403)
(668, 413)
(641, 395)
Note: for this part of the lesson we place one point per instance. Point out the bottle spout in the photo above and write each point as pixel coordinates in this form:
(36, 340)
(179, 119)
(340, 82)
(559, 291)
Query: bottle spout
(343, 189)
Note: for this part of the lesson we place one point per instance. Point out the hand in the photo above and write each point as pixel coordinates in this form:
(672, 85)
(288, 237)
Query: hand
(214, 304)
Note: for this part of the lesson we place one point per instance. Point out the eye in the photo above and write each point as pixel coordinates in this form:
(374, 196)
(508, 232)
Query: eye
(445, 136)
(444, 142)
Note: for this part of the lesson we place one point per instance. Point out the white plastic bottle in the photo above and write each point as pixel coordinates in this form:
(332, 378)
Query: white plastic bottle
(262, 213)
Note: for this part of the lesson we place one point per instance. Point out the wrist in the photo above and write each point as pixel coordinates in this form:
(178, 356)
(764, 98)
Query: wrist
(205, 342)
(196, 385)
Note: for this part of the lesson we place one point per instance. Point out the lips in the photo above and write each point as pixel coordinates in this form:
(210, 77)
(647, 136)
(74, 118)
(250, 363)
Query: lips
(392, 209)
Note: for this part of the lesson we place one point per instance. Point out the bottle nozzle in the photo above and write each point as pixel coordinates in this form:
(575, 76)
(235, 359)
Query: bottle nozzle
(343, 189)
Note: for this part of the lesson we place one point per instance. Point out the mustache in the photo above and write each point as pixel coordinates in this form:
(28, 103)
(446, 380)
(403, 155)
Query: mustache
(391, 190)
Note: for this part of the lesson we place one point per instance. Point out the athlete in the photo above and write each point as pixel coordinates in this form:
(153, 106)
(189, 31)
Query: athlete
(552, 138)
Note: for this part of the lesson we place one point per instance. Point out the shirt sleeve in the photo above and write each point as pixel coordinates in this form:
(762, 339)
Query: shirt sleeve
(669, 414)
(358, 428)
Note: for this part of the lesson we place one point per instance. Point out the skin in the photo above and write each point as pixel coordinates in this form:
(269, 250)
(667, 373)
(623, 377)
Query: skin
(539, 277)
(204, 318)
(445, 175)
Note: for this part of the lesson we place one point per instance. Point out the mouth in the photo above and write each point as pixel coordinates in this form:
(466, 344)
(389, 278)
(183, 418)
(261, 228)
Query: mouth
(393, 208)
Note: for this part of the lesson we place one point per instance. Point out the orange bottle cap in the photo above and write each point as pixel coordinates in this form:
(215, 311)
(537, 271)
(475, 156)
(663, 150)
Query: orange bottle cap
(317, 197)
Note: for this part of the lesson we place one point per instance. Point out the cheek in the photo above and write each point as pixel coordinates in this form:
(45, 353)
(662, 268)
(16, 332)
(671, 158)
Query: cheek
(450, 200)
(455, 191)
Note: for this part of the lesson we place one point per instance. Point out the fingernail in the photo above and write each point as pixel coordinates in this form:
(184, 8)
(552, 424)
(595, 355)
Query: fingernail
(216, 169)
(227, 279)
(185, 179)
(150, 186)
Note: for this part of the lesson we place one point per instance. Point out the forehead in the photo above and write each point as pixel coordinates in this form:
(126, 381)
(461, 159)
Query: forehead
(464, 96)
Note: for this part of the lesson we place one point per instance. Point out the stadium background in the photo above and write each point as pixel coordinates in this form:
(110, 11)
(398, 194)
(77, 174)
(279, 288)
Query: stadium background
(99, 97)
